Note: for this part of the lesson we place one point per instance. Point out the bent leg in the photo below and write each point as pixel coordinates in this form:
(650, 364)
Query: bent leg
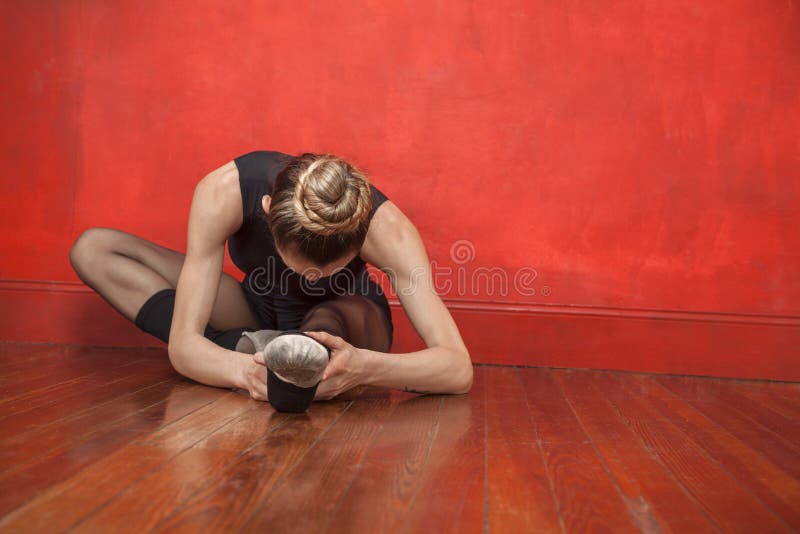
(127, 271)
(155, 318)
(354, 318)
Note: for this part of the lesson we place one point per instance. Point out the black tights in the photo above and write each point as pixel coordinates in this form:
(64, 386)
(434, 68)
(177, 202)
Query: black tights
(354, 318)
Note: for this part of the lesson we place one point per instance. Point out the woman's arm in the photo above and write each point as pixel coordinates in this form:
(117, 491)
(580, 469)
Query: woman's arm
(396, 248)
(214, 215)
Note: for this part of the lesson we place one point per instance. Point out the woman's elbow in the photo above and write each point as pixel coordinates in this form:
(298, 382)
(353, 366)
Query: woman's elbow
(463, 382)
(176, 357)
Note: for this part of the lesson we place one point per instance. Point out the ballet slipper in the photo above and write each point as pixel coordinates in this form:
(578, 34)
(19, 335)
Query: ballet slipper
(252, 342)
(296, 358)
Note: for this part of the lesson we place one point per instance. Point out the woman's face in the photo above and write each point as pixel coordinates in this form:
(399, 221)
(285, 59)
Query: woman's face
(303, 266)
(306, 268)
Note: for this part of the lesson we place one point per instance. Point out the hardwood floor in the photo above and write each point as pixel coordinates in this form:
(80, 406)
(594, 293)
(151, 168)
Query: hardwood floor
(97, 439)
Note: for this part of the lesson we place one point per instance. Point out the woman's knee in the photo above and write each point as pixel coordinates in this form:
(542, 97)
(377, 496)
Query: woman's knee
(355, 318)
(89, 247)
(326, 312)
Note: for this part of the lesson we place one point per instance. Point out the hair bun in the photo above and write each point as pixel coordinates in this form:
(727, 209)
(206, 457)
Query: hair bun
(331, 197)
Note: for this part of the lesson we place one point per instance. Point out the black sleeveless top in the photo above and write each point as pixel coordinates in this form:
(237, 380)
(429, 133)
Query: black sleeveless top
(252, 247)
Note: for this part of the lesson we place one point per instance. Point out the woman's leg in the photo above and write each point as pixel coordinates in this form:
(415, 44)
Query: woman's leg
(128, 272)
(355, 318)
(300, 360)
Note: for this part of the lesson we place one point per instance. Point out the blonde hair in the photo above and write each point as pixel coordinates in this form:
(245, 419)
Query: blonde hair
(321, 204)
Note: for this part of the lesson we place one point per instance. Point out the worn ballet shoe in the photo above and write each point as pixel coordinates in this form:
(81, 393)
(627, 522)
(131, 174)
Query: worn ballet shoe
(252, 342)
(296, 358)
(295, 364)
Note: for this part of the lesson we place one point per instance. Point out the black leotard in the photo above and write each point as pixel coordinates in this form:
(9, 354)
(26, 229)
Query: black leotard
(279, 296)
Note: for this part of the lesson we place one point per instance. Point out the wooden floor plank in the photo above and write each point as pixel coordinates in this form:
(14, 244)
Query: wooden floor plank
(452, 494)
(20, 485)
(88, 491)
(96, 439)
(192, 428)
(657, 501)
(48, 371)
(722, 498)
(776, 489)
(724, 392)
(21, 356)
(771, 398)
(43, 397)
(200, 445)
(520, 496)
(62, 364)
(232, 494)
(788, 390)
(21, 449)
(60, 505)
(73, 406)
(588, 499)
(60, 375)
(389, 475)
(306, 497)
(780, 449)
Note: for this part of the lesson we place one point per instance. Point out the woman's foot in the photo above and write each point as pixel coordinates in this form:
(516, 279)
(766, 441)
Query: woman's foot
(296, 358)
(252, 342)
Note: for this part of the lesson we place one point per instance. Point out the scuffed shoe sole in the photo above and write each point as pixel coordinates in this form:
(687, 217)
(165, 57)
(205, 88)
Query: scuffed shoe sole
(297, 359)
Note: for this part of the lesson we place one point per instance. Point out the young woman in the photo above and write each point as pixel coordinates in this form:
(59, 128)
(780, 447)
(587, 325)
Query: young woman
(306, 322)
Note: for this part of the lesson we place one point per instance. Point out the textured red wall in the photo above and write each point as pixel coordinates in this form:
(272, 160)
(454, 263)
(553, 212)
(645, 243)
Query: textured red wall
(642, 157)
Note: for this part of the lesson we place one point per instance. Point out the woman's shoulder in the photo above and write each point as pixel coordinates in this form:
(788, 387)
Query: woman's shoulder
(390, 233)
(378, 198)
(260, 164)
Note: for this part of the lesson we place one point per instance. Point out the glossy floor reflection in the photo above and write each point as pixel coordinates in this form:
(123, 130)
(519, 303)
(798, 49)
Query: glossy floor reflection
(97, 439)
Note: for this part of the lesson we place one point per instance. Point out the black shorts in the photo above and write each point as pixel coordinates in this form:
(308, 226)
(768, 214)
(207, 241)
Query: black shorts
(287, 311)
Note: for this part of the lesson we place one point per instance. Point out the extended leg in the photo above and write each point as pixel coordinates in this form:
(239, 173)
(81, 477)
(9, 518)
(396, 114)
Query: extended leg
(295, 362)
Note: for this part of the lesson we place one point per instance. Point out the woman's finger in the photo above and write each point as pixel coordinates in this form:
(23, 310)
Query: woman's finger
(324, 391)
(259, 390)
(332, 370)
(330, 341)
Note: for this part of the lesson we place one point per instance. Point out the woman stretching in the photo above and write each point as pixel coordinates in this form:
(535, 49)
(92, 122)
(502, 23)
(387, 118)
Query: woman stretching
(306, 322)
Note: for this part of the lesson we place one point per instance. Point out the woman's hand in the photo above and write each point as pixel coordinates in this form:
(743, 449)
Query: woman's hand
(256, 377)
(345, 368)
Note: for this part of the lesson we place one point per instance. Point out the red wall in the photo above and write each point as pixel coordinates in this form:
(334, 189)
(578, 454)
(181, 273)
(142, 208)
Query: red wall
(642, 157)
